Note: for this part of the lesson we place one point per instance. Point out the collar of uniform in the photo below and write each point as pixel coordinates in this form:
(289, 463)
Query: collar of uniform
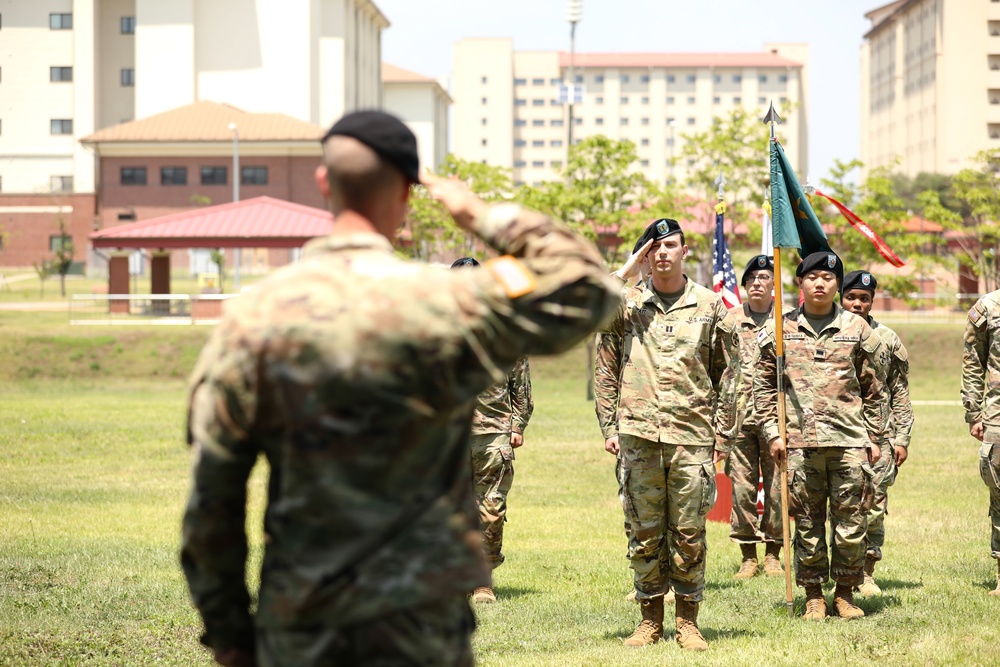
(749, 317)
(340, 242)
(837, 323)
(873, 323)
(649, 295)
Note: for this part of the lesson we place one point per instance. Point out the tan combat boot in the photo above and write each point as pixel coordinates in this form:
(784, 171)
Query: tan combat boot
(843, 603)
(772, 560)
(688, 635)
(869, 587)
(483, 595)
(650, 629)
(631, 597)
(996, 591)
(815, 603)
(748, 568)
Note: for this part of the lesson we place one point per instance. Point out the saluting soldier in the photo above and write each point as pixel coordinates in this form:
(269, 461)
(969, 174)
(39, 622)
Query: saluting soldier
(673, 413)
(981, 398)
(354, 373)
(836, 414)
(750, 460)
(857, 296)
(498, 423)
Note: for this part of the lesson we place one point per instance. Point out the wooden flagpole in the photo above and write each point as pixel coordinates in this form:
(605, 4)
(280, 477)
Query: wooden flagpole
(779, 353)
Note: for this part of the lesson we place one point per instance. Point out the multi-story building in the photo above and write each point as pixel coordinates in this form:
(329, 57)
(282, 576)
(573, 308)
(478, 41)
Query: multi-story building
(422, 103)
(70, 68)
(930, 84)
(508, 110)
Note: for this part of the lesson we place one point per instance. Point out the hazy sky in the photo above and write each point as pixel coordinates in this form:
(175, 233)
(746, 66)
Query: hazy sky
(423, 31)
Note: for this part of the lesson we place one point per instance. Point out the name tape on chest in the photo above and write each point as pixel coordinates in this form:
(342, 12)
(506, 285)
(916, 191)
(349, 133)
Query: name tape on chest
(847, 339)
(513, 276)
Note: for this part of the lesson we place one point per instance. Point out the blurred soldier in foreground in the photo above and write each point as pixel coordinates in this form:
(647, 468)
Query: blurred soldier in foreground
(751, 459)
(981, 398)
(857, 296)
(608, 351)
(498, 423)
(836, 414)
(354, 373)
(675, 401)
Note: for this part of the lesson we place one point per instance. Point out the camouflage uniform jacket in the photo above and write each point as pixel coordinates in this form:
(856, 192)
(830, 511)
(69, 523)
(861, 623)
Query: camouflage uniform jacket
(671, 376)
(749, 352)
(833, 382)
(505, 407)
(981, 363)
(353, 372)
(897, 381)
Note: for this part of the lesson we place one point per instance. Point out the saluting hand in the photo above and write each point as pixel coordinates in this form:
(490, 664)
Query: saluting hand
(631, 265)
(461, 203)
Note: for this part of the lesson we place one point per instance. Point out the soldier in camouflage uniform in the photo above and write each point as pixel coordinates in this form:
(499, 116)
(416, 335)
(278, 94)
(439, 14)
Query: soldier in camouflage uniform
(836, 414)
(354, 373)
(751, 459)
(502, 413)
(667, 400)
(981, 399)
(858, 294)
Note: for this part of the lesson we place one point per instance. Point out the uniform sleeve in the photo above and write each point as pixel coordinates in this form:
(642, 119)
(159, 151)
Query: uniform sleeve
(727, 378)
(765, 385)
(521, 404)
(214, 542)
(607, 374)
(898, 381)
(545, 293)
(870, 365)
(974, 359)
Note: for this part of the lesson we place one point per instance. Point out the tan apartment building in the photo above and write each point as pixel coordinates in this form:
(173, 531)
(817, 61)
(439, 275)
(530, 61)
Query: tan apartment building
(70, 68)
(508, 111)
(930, 84)
(422, 103)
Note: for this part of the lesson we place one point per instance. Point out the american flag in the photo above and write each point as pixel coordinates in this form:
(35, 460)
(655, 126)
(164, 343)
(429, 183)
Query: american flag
(724, 277)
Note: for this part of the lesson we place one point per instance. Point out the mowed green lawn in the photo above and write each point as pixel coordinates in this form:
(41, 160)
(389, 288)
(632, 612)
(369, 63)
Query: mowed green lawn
(94, 477)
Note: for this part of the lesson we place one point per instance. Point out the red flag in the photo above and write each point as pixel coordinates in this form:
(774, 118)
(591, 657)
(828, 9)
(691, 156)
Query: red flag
(863, 227)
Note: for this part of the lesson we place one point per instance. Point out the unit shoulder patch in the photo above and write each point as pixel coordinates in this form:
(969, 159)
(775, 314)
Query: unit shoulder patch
(901, 353)
(513, 276)
(978, 314)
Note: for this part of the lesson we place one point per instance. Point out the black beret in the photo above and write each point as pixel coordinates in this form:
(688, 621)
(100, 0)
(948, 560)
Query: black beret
(859, 280)
(647, 234)
(758, 263)
(386, 135)
(822, 261)
(662, 228)
(464, 261)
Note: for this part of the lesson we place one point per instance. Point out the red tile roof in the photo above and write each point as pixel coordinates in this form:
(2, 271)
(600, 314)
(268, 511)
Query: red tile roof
(261, 222)
(692, 60)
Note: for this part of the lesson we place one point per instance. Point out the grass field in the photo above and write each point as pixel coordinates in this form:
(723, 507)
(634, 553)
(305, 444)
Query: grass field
(95, 477)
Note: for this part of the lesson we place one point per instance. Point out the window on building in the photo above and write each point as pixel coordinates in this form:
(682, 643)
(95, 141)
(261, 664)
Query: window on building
(645, 100)
(690, 100)
(60, 21)
(519, 102)
(520, 82)
(483, 142)
(670, 141)
(128, 77)
(716, 78)
(737, 99)
(762, 78)
(520, 122)
(60, 242)
(645, 142)
(61, 183)
(578, 78)
(537, 102)
(173, 175)
(623, 121)
(538, 143)
(126, 216)
(644, 163)
(133, 176)
(520, 164)
(671, 78)
(253, 175)
(538, 122)
(578, 121)
(670, 120)
(538, 163)
(556, 143)
(61, 126)
(598, 100)
(214, 176)
(690, 121)
(483, 80)
(624, 78)
(783, 100)
(691, 162)
(554, 103)
(598, 121)
(520, 143)
(624, 100)
(737, 78)
(690, 78)
(556, 122)
(716, 100)
(670, 100)
(482, 122)
(57, 74)
(538, 82)
(761, 100)
(599, 78)
(555, 82)
(645, 121)
(644, 78)
(556, 164)
(128, 25)
(782, 78)
(484, 100)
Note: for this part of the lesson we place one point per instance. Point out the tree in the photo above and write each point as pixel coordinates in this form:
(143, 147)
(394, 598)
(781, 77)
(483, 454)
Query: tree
(218, 257)
(62, 260)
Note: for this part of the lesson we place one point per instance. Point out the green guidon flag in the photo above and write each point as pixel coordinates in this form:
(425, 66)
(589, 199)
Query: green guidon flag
(794, 223)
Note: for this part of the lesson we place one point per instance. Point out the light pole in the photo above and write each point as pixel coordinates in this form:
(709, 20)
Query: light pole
(670, 124)
(574, 12)
(238, 253)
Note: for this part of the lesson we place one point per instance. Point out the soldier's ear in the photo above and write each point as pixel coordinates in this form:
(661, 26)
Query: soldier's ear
(686, 251)
(322, 182)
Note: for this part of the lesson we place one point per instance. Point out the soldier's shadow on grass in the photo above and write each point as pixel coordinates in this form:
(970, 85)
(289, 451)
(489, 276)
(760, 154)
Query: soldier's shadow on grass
(711, 634)
(870, 605)
(897, 584)
(513, 592)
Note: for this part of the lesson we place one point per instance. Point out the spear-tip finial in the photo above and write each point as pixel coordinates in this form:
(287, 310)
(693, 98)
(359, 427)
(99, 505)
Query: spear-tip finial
(720, 182)
(771, 116)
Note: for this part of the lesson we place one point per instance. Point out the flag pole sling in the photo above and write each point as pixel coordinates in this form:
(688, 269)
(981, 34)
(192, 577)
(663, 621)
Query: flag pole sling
(779, 353)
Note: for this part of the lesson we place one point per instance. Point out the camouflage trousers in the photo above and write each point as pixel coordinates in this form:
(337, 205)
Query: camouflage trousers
(749, 461)
(667, 491)
(492, 476)
(989, 469)
(885, 476)
(839, 478)
(434, 635)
